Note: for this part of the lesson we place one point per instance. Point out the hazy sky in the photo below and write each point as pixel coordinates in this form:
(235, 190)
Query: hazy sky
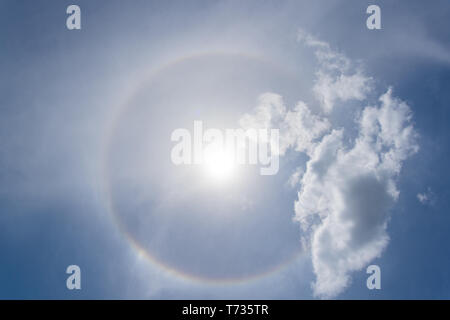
(86, 176)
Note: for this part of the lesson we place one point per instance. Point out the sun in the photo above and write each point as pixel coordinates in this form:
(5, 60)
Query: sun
(218, 162)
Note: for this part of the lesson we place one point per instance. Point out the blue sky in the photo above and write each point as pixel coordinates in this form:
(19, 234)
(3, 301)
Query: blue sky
(85, 170)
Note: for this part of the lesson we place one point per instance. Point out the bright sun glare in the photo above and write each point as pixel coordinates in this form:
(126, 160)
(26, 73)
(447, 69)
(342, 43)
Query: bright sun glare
(218, 162)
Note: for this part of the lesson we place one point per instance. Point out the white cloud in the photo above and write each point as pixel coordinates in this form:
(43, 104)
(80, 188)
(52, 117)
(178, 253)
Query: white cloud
(329, 89)
(296, 177)
(347, 192)
(349, 185)
(299, 128)
(426, 197)
(270, 110)
(338, 80)
(328, 58)
(423, 197)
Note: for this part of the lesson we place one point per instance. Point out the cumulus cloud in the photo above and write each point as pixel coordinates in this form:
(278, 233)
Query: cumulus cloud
(347, 191)
(349, 185)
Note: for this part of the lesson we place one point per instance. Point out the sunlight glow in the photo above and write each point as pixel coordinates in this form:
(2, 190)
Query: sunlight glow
(219, 162)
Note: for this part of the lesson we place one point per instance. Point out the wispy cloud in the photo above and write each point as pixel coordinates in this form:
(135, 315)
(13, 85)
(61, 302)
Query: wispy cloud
(427, 197)
(337, 79)
(299, 127)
